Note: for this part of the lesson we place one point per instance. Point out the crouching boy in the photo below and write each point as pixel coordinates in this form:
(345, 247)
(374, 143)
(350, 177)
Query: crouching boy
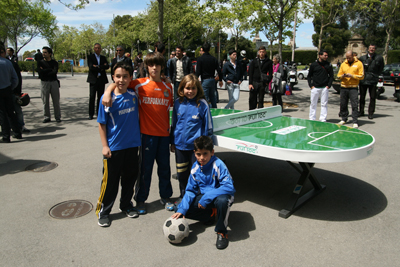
(120, 138)
(209, 192)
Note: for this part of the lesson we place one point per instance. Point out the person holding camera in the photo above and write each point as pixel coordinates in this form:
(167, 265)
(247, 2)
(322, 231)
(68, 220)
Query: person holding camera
(350, 73)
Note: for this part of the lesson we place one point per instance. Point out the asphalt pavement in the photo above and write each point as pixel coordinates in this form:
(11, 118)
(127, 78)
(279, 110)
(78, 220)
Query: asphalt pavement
(354, 222)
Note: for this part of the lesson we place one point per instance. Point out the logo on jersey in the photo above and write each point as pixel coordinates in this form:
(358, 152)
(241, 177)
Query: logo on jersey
(196, 117)
(166, 93)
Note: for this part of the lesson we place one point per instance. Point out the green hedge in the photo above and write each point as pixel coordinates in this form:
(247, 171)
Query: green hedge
(27, 65)
(305, 57)
(393, 56)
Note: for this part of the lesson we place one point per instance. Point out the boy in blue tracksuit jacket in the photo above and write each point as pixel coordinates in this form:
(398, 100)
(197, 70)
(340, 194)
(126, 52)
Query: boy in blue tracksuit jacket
(209, 190)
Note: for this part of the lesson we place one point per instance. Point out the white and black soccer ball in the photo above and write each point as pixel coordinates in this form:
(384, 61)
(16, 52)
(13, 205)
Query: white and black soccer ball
(175, 230)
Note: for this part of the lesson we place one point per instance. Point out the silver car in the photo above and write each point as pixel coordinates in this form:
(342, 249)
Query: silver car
(302, 74)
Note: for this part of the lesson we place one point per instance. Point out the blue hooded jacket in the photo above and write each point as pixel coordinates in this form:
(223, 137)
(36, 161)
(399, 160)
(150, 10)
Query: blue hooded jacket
(190, 121)
(211, 180)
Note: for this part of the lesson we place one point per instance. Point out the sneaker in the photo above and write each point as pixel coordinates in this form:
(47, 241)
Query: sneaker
(17, 136)
(141, 208)
(58, 120)
(167, 202)
(355, 125)
(222, 241)
(104, 222)
(131, 212)
(46, 120)
(212, 217)
(24, 130)
(341, 122)
(6, 139)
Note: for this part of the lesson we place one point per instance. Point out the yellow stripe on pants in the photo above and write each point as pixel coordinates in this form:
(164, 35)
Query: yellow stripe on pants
(103, 188)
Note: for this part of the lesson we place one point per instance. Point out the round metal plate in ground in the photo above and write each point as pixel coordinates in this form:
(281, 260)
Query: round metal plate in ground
(71, 209)
(42, 166)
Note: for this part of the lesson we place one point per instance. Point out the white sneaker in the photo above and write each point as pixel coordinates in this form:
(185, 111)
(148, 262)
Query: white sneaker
(341, 122)
(355, 126)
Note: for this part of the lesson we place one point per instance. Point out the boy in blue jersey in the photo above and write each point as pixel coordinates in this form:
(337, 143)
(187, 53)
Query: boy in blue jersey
(209, 192)
(120, 138)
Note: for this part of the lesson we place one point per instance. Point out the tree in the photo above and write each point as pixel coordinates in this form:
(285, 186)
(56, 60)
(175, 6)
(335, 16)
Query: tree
(334, 38)
(326, 13)
(21, 21)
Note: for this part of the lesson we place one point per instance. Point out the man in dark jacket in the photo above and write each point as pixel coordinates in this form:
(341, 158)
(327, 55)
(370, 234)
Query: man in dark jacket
(207, 65)
(320, 78)
(11, 56)
(373, 66)
(96, 77)
(138, 66)
(48, 69)
(232, 75)
(120, 57)
(260, 73)
(38, 56)
(179, 67)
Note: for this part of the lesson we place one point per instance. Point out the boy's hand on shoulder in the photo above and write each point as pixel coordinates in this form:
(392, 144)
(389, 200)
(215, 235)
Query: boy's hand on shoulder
(106, 101)
(177, 215)
(106, 152)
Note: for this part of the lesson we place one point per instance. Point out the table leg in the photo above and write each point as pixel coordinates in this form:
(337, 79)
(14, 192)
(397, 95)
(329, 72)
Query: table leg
(296, 201)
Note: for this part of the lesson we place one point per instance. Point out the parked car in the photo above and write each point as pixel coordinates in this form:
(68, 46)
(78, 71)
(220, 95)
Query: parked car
(29, 59)
(65, 60)
(302, 74)
(388, 70)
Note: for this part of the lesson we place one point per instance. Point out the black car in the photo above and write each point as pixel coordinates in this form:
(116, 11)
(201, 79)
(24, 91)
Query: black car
(389, 69)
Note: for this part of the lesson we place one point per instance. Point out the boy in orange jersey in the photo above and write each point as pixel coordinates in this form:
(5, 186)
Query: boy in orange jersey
(155, 99)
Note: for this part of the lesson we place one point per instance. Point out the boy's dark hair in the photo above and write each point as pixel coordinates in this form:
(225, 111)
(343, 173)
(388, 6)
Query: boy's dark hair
(322, 51)
(154, 58)
(206, 47)
(231, 51)
(203, 142)
(125, 66)
(262, 48)
(11, 49)
(48, 49)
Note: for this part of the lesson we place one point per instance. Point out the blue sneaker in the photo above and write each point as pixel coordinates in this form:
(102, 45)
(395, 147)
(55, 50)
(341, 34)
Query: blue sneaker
(141, 208)
(167, 202)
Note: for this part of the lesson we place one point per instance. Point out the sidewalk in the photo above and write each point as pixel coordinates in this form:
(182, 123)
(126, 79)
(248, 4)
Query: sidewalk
(354, 222)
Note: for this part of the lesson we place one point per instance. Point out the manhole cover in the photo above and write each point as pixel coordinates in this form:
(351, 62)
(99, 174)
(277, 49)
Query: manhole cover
(71, 209)
(43, 166)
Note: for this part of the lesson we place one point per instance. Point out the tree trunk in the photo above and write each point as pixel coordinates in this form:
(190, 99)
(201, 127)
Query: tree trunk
(385, 53)
(160, 31)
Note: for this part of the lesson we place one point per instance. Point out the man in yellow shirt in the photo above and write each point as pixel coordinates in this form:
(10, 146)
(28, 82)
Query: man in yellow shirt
(350, 73)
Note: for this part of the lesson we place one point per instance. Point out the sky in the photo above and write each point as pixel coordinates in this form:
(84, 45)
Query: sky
(102, 11)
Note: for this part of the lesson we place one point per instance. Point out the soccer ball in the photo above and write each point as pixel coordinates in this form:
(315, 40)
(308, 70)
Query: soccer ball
(175, 230)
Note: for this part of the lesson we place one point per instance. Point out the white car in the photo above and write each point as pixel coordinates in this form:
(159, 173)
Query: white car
(302, 74)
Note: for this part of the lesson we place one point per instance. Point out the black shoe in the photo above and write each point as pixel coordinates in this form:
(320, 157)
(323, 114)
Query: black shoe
(222, 241)
(105, 222)
(58, 120)
(46, 120)
(90, 118)
(361, 114)
(370, 116)
(24, 130)
(17, 136)
(6, 140)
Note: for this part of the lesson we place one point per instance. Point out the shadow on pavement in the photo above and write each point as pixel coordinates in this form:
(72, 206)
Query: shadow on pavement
(270, 182)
